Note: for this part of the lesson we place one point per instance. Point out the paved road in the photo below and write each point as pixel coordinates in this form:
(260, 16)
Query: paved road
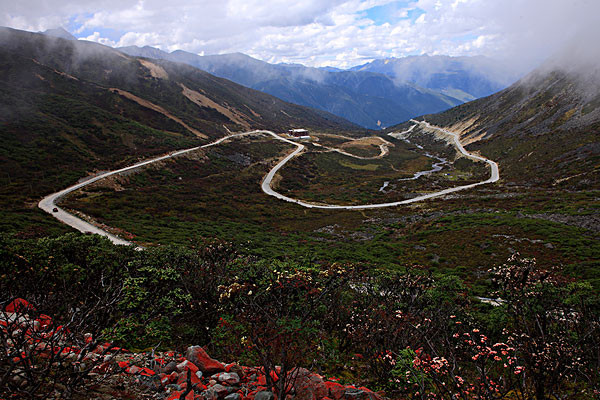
(398, 135)
(383, 151)
(495, 173)
(48, 203)
(494, 176)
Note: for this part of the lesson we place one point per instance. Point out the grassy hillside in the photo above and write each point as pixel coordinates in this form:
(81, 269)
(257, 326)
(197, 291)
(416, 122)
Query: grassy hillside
(216, 193)
(70, 108)
(543, 130)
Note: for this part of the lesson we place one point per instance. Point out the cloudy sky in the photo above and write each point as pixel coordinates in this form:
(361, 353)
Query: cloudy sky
(339, 33)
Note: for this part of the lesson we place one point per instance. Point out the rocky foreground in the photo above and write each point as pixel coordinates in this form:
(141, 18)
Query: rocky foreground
(35, 348)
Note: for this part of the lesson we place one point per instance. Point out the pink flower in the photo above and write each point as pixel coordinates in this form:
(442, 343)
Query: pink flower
(518, 370)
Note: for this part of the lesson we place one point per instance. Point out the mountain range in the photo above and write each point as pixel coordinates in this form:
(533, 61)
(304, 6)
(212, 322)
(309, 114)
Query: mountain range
(71, 107)
(366, 97)
(374, 95)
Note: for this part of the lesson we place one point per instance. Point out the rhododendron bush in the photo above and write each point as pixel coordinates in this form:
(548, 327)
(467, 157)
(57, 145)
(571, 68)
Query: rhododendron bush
(423, 339)
(410, 333)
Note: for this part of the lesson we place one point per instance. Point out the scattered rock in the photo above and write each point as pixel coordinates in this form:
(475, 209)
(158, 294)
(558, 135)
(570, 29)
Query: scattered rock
(170, 367)
(229, 378)
(353, 394)
(185, 365)
(336, 391)
(264, 395)
(309, 386)
(235, 368)
(168, 375)
(207, 365)
(217, 391)
(19, 305)
(134, 369)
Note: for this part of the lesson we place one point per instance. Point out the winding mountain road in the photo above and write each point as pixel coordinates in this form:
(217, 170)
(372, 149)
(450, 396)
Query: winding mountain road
(494, 176)
(49, 205)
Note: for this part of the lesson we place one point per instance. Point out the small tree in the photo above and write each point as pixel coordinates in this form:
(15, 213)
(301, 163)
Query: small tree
(394, 312)
(276, 314)
(554, 325)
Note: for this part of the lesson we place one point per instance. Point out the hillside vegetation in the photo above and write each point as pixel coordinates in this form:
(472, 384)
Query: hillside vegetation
(71, 108)
(543, 130)
(412, 334)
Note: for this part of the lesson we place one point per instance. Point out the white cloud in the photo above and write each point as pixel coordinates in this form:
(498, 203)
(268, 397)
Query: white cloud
(317, 32)
(96, 37)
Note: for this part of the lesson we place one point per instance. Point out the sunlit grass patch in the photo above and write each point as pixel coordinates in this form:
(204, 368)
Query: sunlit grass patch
(364, 167)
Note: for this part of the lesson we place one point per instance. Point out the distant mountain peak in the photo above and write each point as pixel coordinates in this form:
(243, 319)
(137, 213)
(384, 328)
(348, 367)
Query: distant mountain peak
(60, 33)
(463, 77)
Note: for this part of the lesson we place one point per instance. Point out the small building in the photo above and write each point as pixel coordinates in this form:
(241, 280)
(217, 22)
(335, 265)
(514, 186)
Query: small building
(299, 133)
